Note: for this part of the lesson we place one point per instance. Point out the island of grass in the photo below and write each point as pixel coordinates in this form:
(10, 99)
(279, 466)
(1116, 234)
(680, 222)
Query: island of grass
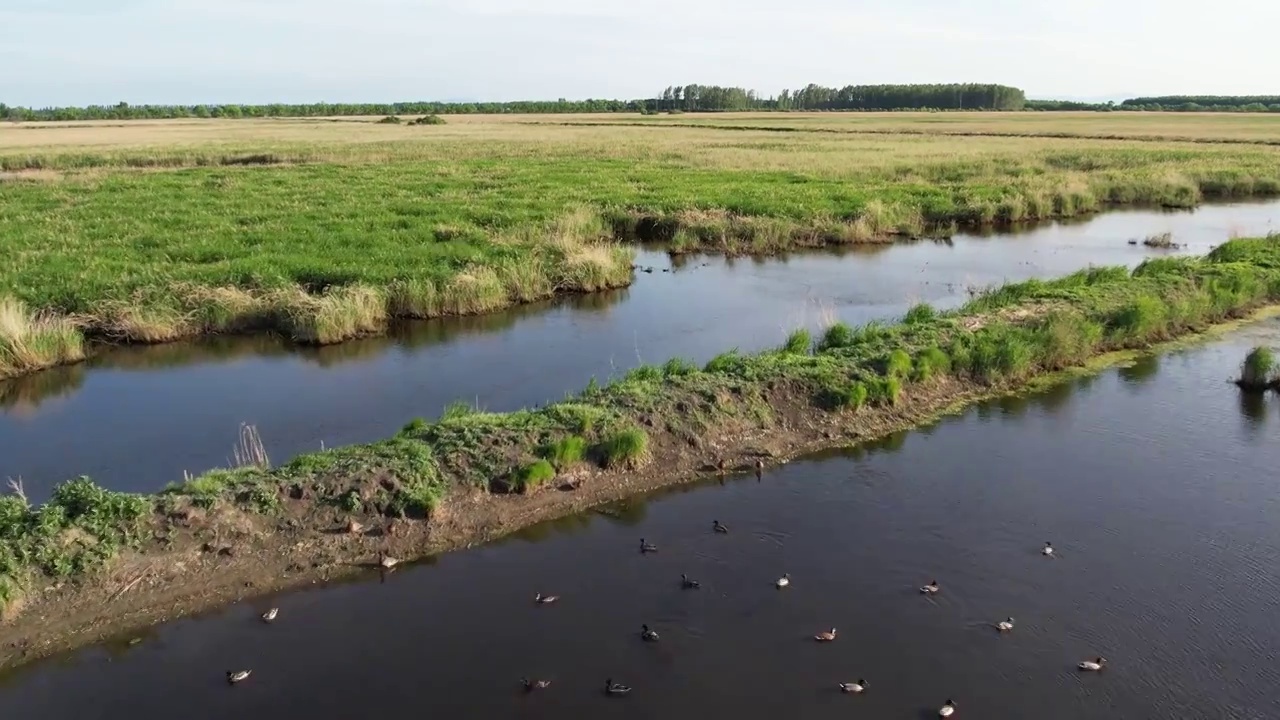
(92, 561)
(325, 231)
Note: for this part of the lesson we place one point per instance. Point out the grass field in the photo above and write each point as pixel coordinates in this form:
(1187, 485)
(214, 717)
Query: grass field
(322, 229)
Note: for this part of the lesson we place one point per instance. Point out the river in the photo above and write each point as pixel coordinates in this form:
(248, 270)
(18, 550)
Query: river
(135, 418)
(1155, 482)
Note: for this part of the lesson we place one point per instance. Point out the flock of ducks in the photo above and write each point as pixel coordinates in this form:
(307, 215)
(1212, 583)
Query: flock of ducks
(648, 634)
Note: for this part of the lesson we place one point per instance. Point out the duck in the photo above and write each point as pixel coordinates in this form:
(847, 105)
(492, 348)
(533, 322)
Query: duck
(854, 687)
(719, 527)
(1093, 665)
(783, 581)
(545, 599)
(270, 615)
(647, 547)
(688, 584)
(827, 636)
(948, 709)
(531, 685)
(648, 635)
(236, 676)
(1005, 625)
(931, 588)
(613, 688)
(1048, 550)
(386, 561)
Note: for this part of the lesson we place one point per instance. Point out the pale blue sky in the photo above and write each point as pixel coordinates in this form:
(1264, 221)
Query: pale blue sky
(77, 52)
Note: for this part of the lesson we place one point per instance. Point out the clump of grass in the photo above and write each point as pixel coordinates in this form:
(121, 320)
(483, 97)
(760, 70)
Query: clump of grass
(566, 452)
(676, 367)
(1258, 371)
(249, 450)
(798, 342)
(390, 120)
(837, 335)
(534, 475)
(930, 363)
(919, 314)
(431, 119)
(1142, 320)
(898, 364)
(31, 341)
(884, 391)
(625, 448)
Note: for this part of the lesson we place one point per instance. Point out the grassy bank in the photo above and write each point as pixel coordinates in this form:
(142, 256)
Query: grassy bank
(657, 421)
(321, 239)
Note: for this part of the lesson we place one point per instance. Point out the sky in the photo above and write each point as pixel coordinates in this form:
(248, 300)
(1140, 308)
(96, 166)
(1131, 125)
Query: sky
(80, 52)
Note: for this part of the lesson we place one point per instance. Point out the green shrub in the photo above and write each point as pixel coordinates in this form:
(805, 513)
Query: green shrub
(645, 373)
(856, 396)
(1142, 320)
(458, 410)
(566, 451)
(884, 390)
(798, 342)
(725, 362)
(533, 475)
(1067, 338)
(625, 448)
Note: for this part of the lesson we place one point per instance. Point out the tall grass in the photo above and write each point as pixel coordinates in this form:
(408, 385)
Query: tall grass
(31, 341)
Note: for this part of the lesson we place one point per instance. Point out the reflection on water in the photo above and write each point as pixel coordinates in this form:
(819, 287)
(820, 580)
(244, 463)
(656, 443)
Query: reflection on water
(141, 416)
(1162, 506)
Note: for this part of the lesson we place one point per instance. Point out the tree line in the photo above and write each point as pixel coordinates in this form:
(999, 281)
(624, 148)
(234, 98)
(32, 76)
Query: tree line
(1170, 103)
(675, 98)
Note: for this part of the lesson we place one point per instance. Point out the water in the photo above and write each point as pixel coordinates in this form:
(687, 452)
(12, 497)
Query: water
(1156, 484)
(136, 418)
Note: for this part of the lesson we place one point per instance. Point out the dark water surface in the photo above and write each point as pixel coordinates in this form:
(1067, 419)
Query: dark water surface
(1156, 483)
(136, 418)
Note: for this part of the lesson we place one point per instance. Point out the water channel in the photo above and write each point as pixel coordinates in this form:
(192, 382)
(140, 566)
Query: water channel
(1155, 482)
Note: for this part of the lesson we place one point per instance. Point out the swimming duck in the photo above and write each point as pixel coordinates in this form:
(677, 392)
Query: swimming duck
(648, 635)
(827, 636)
(531, 685)
(1048, 550)
(545, 599)
(688, 584)
(931, 588)
(854, 687)
(387, 561)
(237, 676)
(783, 581)
(1005, 625)
(718, 526)
(647, 547)
(1093, 665)
(270, 615)
(948, 709)
(613, 688)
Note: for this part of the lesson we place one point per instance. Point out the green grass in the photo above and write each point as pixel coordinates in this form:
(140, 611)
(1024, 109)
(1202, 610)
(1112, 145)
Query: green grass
(566, 452)
(625, 448)
(31, 342)
(999, 340)
(534, 475)
(325, 240)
